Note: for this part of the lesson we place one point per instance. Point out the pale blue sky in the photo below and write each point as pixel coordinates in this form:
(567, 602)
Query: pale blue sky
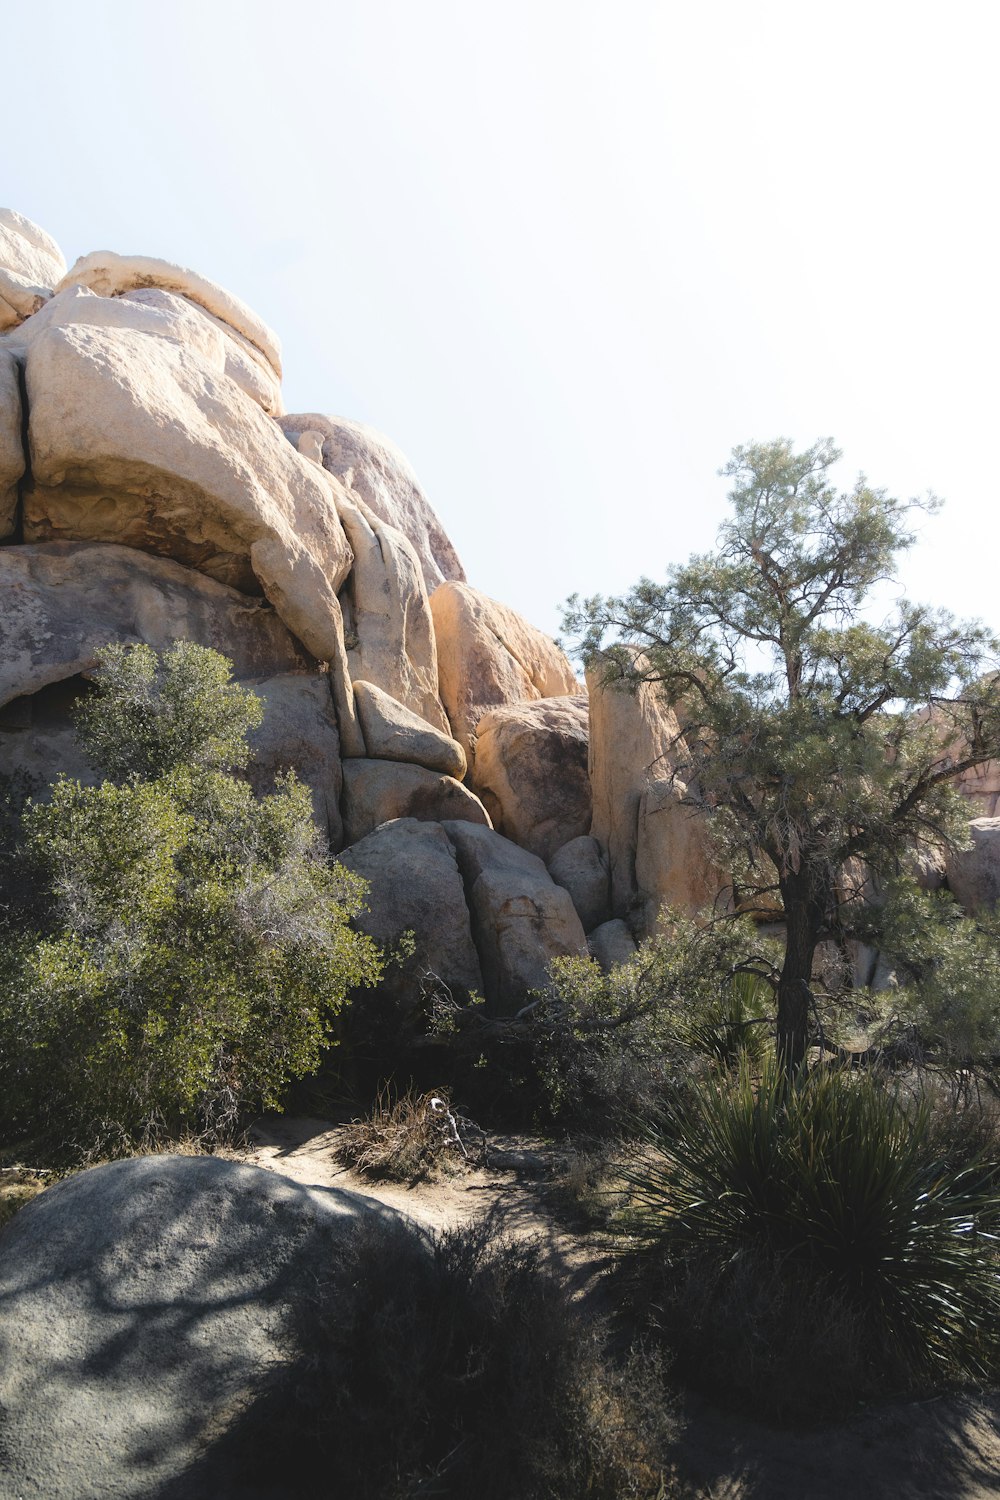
(566, 254)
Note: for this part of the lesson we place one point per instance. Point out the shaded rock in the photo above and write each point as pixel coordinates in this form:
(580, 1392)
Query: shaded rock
(531, 772)
(109, 275)
(974, 874)
(135, 440)
(11, 445)
(581, 868)
(299, 733)
(415, 885)
(30, 264)
(387, 620)
(489, 656)
(376, 791)
(167, 315)
(674, 863)
(375, 469)
(60, 602)
(141, 1303)
(392, 732)
(521, 920)
(611, 944)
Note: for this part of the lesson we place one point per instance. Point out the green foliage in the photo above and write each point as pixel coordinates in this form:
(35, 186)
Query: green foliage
(834, 1192)
(191, 944)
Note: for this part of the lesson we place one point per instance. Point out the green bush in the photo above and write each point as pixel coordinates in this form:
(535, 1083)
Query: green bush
(191, 942)
(822, 1208)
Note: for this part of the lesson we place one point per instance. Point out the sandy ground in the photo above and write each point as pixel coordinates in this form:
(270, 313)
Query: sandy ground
(948, 1449)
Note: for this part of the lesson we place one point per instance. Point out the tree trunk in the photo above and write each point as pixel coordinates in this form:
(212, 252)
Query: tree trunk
(803, 924)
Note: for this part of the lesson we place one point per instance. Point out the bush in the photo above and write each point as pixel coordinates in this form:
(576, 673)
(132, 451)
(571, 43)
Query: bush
(822, 1209)
(402, 1140)
(452, 1368)
(190, 945)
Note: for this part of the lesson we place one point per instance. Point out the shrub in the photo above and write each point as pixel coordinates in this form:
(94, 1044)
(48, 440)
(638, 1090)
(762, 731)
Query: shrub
(402, 1140)
(823, 1209)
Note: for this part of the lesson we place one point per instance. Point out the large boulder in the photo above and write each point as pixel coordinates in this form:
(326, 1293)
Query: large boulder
(135, 439)
(167, 315)
(974, 874)
(376, 791)
(611, 944)
(531, 772)
(63, 601)
(674, 862)
(30, 264)
(581, 868)
(521, 920)
(393, 732)
(489, 656)
(414, 885)
(11, 443)
(374, 468)
(299, 733)
(141, 1304)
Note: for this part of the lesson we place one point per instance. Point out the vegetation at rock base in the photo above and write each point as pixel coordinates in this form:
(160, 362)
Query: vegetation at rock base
(187, 943)
(800, 728)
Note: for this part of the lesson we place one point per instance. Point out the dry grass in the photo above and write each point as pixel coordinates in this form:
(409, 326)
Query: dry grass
(403, 1140)
(18, 1185)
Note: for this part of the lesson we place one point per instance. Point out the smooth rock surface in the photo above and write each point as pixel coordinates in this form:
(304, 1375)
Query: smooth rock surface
(30, 263)
(141, 1303)
(375, 791)
(299, 733)
(372, 466)
(489, 656)
(393, 732)
(531, 772)
(60, 602)
(11, 444)
(581, 868)
(521, 920)
(611, 944)
(135, 439)
(974, 874)
(674, 864)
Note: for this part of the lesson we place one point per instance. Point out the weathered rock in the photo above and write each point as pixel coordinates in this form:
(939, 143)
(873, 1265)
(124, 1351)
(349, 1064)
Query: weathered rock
(415, 885)
(581, 868)
(11, 444)
(30, 263)
(521, 920)
(674, 864)
(611, 944)
(531, 772)
(299, 733)
(387, 619)
(393, 732)
(134, 439)
(489, 656)
(109, 275)
(374, 468)
(974, 874)
(166, 314)
(63, 601)
(376, 791)
(140, 1303)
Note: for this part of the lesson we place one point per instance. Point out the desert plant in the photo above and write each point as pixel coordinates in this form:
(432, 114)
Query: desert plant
(403, 1139)
(829, 1186)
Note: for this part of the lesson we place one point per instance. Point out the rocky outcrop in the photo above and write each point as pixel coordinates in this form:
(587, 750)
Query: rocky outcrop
(140, 1302)
(581, 868)
(376, 791)
(374, 468)
(299, 733)
(521, 920)
(488, 656)
(974, 874)
(134, 439)
(11, 446)
(30, 264)
(611, 944)
(393, 732)
(531, 772)
(674, 863)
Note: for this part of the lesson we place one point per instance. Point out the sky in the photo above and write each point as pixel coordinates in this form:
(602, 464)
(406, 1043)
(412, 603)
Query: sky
(567, 253)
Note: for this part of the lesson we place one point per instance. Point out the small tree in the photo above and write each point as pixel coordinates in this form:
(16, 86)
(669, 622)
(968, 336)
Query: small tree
(805, 734)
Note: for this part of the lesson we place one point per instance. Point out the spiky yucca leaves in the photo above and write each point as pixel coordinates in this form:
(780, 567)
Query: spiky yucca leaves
(831, 1182)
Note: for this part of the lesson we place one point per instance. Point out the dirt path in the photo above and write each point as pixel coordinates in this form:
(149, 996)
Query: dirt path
(948, 1449)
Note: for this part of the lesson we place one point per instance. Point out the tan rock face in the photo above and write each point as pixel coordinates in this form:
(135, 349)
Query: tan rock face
(674, 864)
(134, 439)
(392, 732)
(531, 772)
(581, 868)
(376, 791)
(11, 446)
(299, 733)
(63, 601)
(30, 264)
(521, 920)
(488, 656)
(974, 874)
(388, 627)
(375, 469)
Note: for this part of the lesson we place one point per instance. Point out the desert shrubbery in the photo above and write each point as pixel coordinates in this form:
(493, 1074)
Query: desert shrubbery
(404, 1139)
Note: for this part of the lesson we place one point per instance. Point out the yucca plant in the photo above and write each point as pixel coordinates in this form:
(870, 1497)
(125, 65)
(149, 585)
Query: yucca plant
(830, 1181)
